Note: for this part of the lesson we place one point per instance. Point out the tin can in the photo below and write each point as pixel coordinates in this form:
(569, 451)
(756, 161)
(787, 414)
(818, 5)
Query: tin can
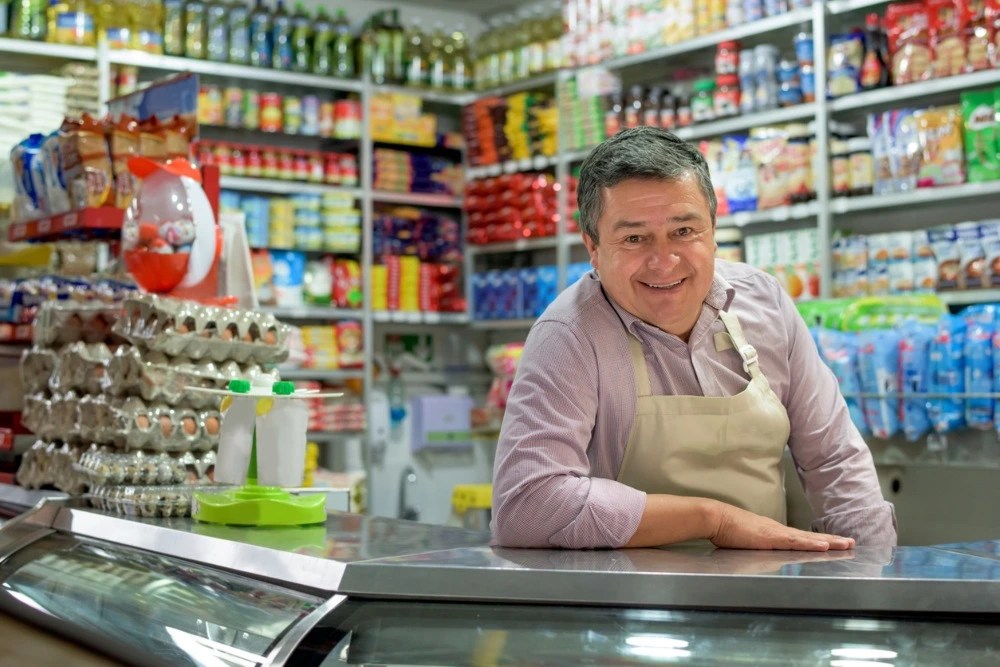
(269, 163)
(327, 119)
(270, 112)
(233, 110)
(301, 167)
(332, 168)
(316, 173)
(251, 110)
(209, 105)
(286, 165)
(292, 114)
(347, 119)
(238, 160)
(255, 161)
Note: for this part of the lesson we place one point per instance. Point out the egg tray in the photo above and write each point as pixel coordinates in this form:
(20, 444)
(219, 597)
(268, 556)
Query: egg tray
(63, 322)
(126, 423)
(48, 463)
(103, 467)
(143, 501)
(183, 328)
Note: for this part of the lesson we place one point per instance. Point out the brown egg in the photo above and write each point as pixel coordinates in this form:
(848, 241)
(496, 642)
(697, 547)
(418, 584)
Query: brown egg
(189, 426)
(142, 422)
(166, 425)
(212, 425)
(271, 337)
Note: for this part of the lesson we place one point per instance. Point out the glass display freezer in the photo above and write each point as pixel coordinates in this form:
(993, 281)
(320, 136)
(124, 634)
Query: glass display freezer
(367, 590)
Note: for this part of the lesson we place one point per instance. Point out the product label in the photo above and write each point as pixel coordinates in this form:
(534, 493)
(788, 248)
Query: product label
(74, 28)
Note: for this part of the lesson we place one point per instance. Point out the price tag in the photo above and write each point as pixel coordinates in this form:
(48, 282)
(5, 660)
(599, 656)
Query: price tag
(839, 204)
(45, 226)
(780, 214)
(70, 220)
(432, 318)
(413, 318)
(495, 170)
(741, 219)
(509, 167)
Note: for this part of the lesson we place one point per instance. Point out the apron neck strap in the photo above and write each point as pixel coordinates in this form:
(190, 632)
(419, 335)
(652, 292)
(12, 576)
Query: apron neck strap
(745, 349)
(642, 385)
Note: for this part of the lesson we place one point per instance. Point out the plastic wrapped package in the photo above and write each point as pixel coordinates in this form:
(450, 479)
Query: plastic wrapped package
(63, 322)
(947, 374)
(180, 328)
(878, 369)
(51, 464)
(103, 467)
(143, 501)
(913, 373)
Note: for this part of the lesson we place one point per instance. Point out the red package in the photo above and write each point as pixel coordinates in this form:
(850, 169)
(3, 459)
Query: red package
(908, 29)
(948, 24)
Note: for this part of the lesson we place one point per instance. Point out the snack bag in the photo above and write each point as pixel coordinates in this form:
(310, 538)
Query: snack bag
(28, 197)
(86, 163)
(979, 374)
(972, 257)
(991, 249)
(840, 352)
(978, 35)
(908, 31)
(947, 374)
(993, 29)
(767, 146)
(913, 375)
(123, 140)
(904, 138)
(949, 36)
(948, 254)
(347, 284)
(177, 138)
(739, 173)
(878, 370)
(980, 139)
(152, 140)
(56, 194)
(942, 155)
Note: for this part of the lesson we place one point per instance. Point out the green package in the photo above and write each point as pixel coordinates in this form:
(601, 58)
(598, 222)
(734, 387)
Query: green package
(979, 114)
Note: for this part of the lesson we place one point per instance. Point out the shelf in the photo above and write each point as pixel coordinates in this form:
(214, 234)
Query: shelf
(503, 325)
(332, 436)
(845, 6)
(47, 50)
(283, 187)
(446, 378)
(227, 70)
(512, 167)
(321, 374)
(416, 199)
(968, 297)
(75, 222)
(312, 313)
(709, 41)
(436, 96)
(747, 121)
(894, 95)
(408, 317)
(541, 81)
(780, 214)
(542, 243)
(842, 205)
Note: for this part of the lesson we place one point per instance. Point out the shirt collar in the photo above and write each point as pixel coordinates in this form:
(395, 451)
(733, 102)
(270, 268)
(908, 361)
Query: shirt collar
(720, 296)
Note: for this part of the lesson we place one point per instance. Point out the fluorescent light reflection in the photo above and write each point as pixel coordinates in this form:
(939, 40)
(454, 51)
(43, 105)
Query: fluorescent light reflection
(656, 641)
(660, 653)
(859, 663)
(864, 653)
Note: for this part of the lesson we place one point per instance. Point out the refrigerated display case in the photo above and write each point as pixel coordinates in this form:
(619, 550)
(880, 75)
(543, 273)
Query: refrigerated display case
(366, 590)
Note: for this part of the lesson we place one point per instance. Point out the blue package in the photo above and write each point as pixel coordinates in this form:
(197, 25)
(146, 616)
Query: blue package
(548, 287)
(913, 376)
(576, 271)
(839, 351)
(878, 370)
(479, 303)
(996, 375)
(979, 374)
(510, 295)
(528, 278)
(288, 269)
(947, 374)
(740, 174)
(985, 313)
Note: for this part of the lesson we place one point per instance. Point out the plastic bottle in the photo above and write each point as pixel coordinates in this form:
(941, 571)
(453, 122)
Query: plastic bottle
(72, 22)
(507, 49)
(874, 67)
(651, 107)
(633, 107)
(381, 71)
(342, 55)
(260, 36)
(554, 56)
(461, 62)
(217, 31)
(397, 48)
(415, 56)
(115, 20)
(28, 19)
(194, 29)
(366, 49)
(437, 65)
(537, 40)
(239, 33)
(703, 102)
(173, 27)
(490, 48)
(323, 36)
(281, 38)
(301, 40)
(522, 44)
(147, 26)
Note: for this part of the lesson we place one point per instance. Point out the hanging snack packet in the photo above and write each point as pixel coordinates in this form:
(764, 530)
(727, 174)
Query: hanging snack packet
(979, 374)
(878, 368)
(947, 374)
(978, 35)
(913, 375)
(981, 143)
(123, 140)
(948, 28)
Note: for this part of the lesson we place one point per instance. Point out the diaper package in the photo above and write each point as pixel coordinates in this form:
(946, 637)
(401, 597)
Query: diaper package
(947, 374)
(914, 346)
(878, 369)
(840, 352)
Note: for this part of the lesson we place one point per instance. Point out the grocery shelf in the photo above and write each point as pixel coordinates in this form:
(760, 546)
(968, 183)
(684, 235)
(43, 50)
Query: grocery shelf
(503, 325)
(227, 70)
(842, 205)
(47, 50)
(709, 41)
(414, 317)
(541, 243)
(283, 187)
(331, 436)
(428, 95)
(512, 166)
(416, 199)
(75, 222)
(779, 214)
(540, 81)
(966, 297)
(446, 378)
(311, 312)
(11, 332)
(747, 121)
(845, 6)
(321, 374)
(893, 95)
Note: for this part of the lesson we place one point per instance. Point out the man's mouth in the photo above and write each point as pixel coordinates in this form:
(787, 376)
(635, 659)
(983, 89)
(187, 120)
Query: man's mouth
(665, 286)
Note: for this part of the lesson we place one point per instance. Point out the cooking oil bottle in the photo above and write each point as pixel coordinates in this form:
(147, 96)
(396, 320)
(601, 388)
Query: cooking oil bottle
(260, 35)
(437, 64)
(72, 22)
(147, 21)
(342, 55)
(217, 30)
(461, 62)
(301, 39)
(173, 27)
(415, 55)
(194, 29)
(239, 32)
(28, 19)
(322, 45)
(281, 38)
(115, 21)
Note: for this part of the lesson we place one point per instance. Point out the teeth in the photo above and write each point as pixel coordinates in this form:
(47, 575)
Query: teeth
(665, 286)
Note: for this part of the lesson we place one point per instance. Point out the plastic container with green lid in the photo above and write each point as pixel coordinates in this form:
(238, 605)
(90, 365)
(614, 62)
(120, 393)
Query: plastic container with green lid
(703, 102)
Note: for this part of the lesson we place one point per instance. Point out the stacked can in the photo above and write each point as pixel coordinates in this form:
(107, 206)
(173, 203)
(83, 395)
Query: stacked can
(282, 225)
(308, 222)
(341, 224)
(726, 99)
(409, 283)
(257, 210)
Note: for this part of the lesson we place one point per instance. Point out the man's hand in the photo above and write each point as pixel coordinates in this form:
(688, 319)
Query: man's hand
(738, 529)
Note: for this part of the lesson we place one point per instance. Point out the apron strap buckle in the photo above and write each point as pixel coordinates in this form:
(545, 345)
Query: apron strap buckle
(749, 354)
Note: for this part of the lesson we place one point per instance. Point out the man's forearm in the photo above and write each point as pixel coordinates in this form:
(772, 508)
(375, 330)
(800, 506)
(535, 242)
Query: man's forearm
(669, 519)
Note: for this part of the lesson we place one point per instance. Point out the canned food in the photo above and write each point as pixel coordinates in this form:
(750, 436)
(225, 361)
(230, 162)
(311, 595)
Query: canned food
(286, 165)
(209, 105)
(255, 162)
(292, 114)
(327, 119)
(237, 161)
(234, 107)
(316, 173)
(251, 109)
(332, 169)
(270, 112)
(269, 163)
(310, 115)
(347, 119)
(301, 169)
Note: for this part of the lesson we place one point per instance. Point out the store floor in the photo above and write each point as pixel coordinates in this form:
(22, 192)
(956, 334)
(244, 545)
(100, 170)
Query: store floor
(24, 644)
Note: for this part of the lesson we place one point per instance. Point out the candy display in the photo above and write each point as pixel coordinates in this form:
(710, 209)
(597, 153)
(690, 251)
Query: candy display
(423, 234)
(405, 171)
(519, 293)
(517, 127)
(511, 207)
(279, 163)
(399, 118)
(407, 284)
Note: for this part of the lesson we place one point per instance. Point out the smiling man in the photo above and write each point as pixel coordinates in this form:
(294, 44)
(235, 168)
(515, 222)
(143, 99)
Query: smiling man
(655, 397)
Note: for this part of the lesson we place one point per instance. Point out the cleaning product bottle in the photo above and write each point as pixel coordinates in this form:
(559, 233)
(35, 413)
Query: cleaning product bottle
(260, 36)
(301, 39)
(239, 33)
(281, 38)
(217, 30)
(323, 36)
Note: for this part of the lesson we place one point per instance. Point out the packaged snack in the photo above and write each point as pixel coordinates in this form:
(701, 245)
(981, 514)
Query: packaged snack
(56, 193)
(978, 32)
(947, 374)
(878, 366)
(86, 162)
(982, 147)
(979, 374)
(942, 155)
(739, 174)
(29, 190)
(152, 140)
(908, 31)
(990, 231)
(914, 344)
(993, 28)
(347, 291)
(948, 255)
(948, 24)
(905, 150)
(972, 255)
(844, 59)
(177, 138)
(996, 376)
(349, 342)
(767, 147)
(123, 141)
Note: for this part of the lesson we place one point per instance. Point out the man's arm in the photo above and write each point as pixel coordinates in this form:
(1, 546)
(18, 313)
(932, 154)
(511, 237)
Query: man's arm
(832, 459)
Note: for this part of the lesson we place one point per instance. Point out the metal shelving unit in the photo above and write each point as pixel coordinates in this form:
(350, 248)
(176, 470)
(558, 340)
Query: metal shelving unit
(283, 187)
(521, 245)
(915, 198)
(47, 50)
(413, 317)
(969, 297)
(898, 95)
(416, 199)
(322, 374)
(312, 312)
(503, 325)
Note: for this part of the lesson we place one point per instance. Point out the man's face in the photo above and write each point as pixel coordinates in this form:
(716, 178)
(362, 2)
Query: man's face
(656, 254)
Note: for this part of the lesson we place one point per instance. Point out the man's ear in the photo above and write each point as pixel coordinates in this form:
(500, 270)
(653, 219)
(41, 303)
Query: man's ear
(591, 246)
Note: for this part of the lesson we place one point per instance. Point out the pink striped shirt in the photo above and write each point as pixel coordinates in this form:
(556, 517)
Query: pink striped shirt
(570, 412)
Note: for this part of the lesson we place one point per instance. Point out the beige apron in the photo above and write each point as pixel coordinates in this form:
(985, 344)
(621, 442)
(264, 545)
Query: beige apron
(726, 448)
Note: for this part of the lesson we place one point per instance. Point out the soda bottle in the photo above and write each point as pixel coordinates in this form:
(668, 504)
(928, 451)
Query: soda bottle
(322, 63)
(281, 38)
(260, 35)
(239, 33)
(301, 40)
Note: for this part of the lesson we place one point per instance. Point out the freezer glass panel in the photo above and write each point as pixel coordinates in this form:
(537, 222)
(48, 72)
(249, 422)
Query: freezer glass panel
(413, 633)
(187, 613)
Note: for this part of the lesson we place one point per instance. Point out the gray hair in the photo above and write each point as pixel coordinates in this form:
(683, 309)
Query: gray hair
(640, 153)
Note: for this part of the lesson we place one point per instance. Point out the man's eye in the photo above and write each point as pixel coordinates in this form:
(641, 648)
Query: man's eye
(684, 231)
(633, 238)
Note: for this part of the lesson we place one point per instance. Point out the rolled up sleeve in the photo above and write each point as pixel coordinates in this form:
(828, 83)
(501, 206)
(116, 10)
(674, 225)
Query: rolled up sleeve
(543, 494)
(832, 459)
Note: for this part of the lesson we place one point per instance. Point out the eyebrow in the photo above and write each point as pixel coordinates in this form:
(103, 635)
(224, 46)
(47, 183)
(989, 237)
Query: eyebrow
(637, 224)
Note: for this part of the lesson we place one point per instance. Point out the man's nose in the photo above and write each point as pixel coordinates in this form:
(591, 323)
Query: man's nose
(664, 256)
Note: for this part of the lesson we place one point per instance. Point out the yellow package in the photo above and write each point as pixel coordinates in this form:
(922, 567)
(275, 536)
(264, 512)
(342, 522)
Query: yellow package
(942, 159)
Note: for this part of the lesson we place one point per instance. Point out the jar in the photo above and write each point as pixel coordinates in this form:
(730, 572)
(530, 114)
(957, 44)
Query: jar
(840, 168)
(237, 161)
(727, 96)
(331, 170)
(316, 173)
(703, 101)
(254, 160)
(789, 94)
(804, 52)
(292, 114)
(861, 166)
(221, 157)
(270, 112)
(286, 165)
(269, 163)
(301, 169)
(727, 58)
(684, 117)
(807, 79)
(233, 107)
